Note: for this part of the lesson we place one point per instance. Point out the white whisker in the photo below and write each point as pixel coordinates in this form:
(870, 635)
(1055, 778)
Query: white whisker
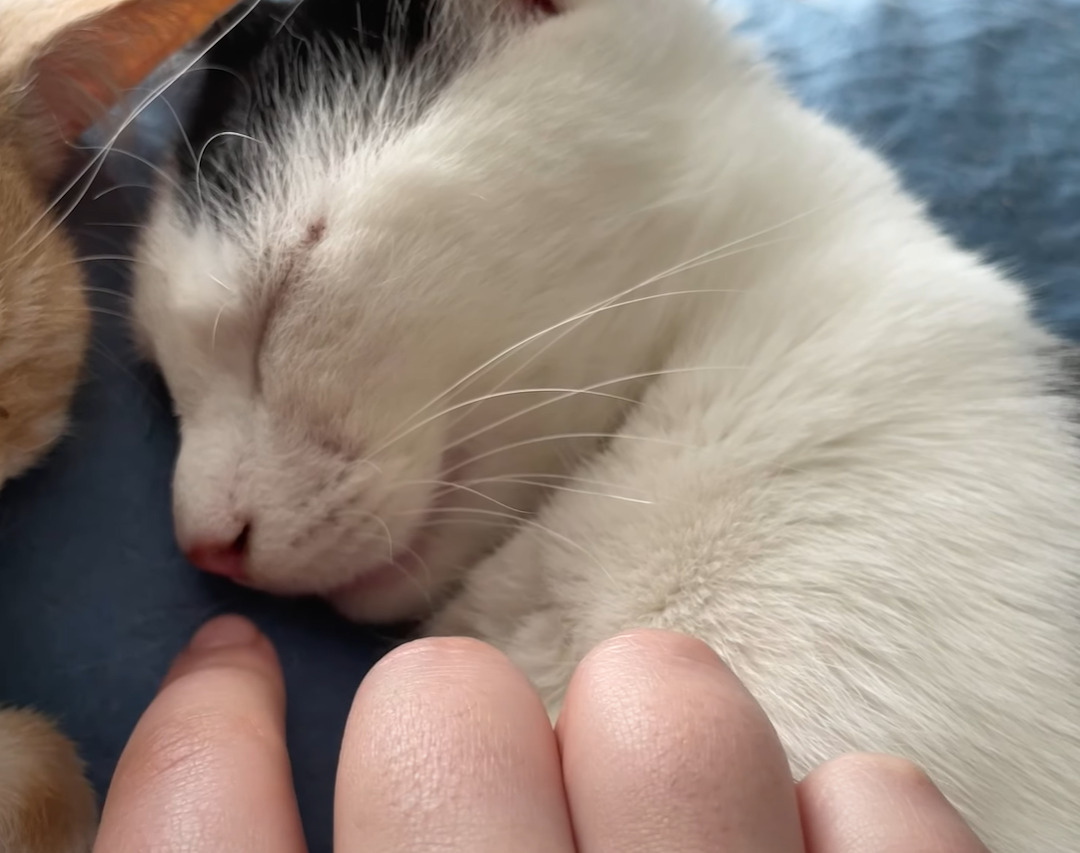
(514, 393)
(202, 152)
(524, 481)
(448, 485)
(214, 331)
(527, 522)
(591, 390)
(567, 392)
(570, 436)
(88, 174)
(710, 256)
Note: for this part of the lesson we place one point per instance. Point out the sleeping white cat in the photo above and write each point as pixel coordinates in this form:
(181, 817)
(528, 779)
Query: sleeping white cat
(554, 322)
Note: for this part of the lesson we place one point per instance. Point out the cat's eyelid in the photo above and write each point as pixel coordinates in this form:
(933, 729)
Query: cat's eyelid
(274, 296)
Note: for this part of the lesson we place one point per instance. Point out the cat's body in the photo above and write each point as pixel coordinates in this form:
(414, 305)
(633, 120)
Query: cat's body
(588, 291)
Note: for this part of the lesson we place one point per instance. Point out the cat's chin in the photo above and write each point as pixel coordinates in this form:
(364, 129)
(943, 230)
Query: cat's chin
(382, 601)
(391, 592)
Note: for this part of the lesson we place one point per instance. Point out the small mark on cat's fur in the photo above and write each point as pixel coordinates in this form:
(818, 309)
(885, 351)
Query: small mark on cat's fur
(315, 232)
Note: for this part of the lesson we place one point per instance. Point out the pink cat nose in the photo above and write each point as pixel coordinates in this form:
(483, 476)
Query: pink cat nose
(227, 559)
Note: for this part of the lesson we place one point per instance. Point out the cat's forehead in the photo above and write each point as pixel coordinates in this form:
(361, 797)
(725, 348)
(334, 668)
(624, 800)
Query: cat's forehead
(344, 76)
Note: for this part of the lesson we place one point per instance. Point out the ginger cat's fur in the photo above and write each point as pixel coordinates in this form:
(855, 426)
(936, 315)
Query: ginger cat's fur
(61, 64)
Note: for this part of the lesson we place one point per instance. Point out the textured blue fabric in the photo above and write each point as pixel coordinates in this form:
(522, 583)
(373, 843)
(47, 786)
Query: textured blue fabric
(974, 101)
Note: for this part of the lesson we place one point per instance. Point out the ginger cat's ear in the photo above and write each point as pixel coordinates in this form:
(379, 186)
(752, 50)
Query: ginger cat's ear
(81, 56)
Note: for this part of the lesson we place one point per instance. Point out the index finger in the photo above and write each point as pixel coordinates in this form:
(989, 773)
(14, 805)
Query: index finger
(206, 769)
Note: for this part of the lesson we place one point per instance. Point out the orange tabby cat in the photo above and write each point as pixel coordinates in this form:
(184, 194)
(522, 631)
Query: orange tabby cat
(62, 63)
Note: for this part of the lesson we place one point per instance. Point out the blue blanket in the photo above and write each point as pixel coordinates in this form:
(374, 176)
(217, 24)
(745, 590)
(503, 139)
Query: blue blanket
(976, 104)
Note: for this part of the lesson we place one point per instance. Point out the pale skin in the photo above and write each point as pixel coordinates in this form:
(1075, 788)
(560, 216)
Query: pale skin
(659, 748)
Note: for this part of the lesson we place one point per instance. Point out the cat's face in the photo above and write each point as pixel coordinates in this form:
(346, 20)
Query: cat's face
(344, 259)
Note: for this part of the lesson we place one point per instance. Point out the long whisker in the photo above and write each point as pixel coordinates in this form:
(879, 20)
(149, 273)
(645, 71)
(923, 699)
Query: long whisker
(386, 529)
(115, 294)
(425, 587)
(527, 522)
(543, 478)
(513, 393)
(89, 259)
(179, 126)
(486, 522)
(570, 436)
(590, 390)
(105, 312)
(556, 487)
(91, 170)
(109, 190)
(447, 485)
(214, 331)
(705, 257)
(569, 392)
(153, 167)
(202, 152)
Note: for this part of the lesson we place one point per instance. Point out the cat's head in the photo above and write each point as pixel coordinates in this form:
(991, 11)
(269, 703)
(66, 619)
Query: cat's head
(62, 64)
(365, 231)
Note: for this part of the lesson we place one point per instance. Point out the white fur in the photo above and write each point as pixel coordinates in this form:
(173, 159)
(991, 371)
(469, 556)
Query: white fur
(846, 472)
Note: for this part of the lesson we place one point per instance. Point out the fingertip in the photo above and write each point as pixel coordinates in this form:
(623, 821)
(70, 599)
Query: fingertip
(640, 666)
(439, 724)
(438, 657)
(437, 650)
(697, 758)
(226, 642)
(648, 645)
(208, 758)
(865, 800)
(225, 632)
(437, 673)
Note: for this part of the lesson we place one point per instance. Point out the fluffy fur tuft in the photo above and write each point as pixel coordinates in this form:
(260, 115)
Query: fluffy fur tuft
(45, 806)
(600, 329)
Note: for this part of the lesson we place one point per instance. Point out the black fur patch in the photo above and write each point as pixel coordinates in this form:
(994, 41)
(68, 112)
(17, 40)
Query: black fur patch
(262, 69)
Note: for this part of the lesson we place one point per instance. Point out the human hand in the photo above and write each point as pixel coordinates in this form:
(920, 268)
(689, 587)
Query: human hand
(659, 748)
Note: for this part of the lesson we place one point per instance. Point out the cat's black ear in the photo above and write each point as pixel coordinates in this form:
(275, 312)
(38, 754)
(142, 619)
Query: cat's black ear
(81, 56)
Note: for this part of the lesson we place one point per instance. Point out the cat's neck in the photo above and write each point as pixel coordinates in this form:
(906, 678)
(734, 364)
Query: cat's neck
(766, 190)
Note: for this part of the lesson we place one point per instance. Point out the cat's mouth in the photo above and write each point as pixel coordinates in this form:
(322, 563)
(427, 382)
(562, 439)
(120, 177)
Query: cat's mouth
(406, 564)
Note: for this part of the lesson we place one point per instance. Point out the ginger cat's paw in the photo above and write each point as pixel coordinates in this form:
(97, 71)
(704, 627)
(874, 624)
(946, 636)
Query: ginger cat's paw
(46, 804)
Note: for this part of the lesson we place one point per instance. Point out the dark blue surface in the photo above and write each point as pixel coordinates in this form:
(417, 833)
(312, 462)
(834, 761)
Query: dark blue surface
(977, 104)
